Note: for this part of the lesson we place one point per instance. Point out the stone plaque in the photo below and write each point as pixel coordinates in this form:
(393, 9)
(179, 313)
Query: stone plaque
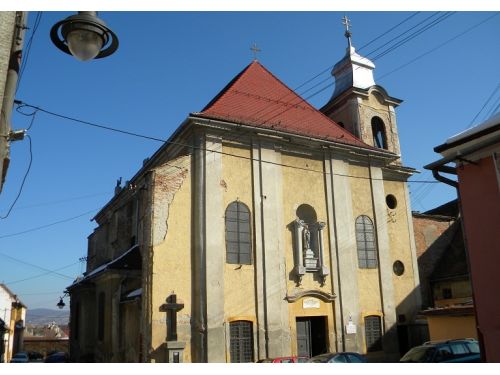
(310, 303)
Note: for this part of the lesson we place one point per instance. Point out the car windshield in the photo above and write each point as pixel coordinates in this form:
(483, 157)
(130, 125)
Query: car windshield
(20, 355)
(419, 354)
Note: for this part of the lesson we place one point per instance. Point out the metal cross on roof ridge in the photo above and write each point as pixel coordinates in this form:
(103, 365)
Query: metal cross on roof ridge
(255, 50)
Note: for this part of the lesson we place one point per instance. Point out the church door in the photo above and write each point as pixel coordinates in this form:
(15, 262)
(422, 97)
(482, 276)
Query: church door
(311, 336)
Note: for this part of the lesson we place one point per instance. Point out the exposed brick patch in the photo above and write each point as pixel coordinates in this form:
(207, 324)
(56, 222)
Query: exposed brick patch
(167, 182)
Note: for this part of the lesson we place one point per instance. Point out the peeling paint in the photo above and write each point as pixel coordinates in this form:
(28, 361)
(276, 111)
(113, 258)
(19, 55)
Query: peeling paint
(167, 182)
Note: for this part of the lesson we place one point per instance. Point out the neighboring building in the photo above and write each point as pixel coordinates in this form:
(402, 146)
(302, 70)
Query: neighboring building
(444, 275)
(262, 228)
(12, 318)
(11, 42)
(476, 157)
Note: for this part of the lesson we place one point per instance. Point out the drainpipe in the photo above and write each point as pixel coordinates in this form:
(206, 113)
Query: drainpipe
(6, 134)
(199, 249)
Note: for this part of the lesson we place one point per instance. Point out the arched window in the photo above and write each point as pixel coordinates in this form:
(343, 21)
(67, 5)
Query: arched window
(238, 234)
(241, 341)
(365, 241)
(373, 333)
(378, 131)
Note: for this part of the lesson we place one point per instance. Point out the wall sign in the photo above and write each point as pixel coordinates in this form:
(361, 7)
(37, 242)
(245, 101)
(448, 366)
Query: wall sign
(310, 303)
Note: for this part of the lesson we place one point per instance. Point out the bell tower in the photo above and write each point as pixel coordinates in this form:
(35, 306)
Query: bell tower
(358, 104)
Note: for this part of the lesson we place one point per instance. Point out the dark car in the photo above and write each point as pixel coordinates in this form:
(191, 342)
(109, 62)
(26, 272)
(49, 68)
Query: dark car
(344, 357)
(21, 357)
(57, 357)
(460, 350)
(35, 357)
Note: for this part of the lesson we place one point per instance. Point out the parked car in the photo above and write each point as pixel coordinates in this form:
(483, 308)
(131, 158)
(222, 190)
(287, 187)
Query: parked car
(57, 357)
(21, 357)
(290, 359)
(35, 357)
(343, 357)
(460, 350)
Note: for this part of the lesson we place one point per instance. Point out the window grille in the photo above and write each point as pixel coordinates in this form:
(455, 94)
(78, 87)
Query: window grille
(365, 240)
(238, 234)
(241, 341)
(373, 333)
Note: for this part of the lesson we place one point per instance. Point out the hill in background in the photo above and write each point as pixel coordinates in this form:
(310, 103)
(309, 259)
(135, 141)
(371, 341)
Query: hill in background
(38, 317)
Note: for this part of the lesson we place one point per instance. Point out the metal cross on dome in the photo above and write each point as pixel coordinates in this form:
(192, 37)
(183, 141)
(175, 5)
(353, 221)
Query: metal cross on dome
(347, 22)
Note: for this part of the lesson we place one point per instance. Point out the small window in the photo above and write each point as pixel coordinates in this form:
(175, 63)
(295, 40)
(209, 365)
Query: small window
(398, 267)
(373, 333)
(241, 341)
(391, 201)
(365, 241)
(238, 234)
(378, 131)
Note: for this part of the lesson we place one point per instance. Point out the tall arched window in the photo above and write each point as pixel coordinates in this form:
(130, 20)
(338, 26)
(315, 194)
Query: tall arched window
(241, 341)
(238, 234)
(365, 241)
(378, 131)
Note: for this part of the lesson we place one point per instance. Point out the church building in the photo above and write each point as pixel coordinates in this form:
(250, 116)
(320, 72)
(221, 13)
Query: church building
(262, 228)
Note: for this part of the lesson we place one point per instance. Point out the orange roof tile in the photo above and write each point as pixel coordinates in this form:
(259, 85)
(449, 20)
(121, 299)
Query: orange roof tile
(257, 98)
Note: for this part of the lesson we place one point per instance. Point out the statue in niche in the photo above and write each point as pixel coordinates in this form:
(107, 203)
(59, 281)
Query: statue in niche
(307, 237)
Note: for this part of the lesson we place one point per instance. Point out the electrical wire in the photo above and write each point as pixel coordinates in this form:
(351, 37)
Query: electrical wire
(23, 181)
(485, 104)
(439, 46)
(41, 274)
(388, 31)
(48, 225)
(35, 266)
(24, 61)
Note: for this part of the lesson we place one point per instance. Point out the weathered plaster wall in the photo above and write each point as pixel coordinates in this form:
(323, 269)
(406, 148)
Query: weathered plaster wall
(171, 258)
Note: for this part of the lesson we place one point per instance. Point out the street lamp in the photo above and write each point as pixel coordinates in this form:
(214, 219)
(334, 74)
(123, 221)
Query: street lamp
(85, 36)
(61, 303)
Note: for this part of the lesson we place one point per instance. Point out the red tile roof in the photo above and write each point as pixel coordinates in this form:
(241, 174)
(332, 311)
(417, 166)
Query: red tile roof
(257, 98)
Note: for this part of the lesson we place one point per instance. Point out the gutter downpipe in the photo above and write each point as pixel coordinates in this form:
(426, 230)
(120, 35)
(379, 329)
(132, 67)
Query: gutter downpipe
(199, 256)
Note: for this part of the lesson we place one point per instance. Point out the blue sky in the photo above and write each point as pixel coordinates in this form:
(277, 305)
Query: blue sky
(172, 63)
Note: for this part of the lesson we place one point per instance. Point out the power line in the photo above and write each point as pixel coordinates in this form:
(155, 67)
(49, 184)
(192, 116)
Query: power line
(23, 180)
(41, 274)
(35, 266)
(388, 31)
(51, 203)
(439, 46)
(48, 225)
(485, 104)
(24, 61)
